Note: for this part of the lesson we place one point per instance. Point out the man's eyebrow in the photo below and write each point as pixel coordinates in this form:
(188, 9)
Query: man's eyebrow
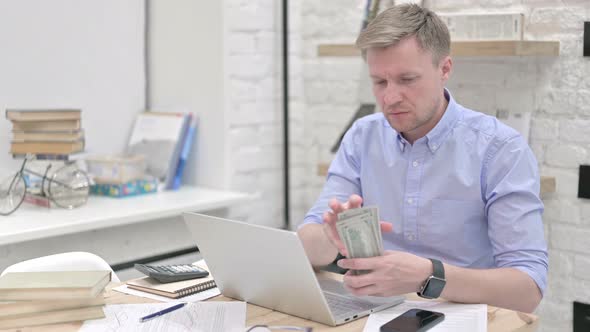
(405, 74)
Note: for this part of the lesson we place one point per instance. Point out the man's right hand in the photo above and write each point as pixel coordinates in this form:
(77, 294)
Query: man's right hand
(331, 217)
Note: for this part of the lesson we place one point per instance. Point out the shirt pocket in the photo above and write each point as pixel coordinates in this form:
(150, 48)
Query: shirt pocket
(456, 229)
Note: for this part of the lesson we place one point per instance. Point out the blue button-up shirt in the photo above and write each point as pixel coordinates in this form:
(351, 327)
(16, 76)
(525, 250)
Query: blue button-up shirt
(467, 193)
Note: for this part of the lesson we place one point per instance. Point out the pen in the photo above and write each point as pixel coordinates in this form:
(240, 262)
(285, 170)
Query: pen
(161, 312)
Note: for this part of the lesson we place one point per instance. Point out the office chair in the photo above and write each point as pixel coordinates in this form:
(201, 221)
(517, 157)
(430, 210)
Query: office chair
(68, 261)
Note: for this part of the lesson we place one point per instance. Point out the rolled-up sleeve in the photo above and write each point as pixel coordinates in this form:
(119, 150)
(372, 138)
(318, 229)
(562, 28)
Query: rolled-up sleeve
(514, 209)
(343, 177)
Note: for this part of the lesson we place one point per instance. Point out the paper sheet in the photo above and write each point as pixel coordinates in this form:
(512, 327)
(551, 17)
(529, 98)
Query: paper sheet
(194, 317)
(458, 317)
(201, 296)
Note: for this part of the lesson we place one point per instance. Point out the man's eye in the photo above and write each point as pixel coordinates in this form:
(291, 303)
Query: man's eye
(379, 82)
(408, 79)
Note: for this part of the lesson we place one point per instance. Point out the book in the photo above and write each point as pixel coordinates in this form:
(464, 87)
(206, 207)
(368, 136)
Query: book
(43, 115)
(52, 136)
(36, 306)
(42, 156)
(52, 317)
(46, 147)
(172, 290)
(159, 137)
(37, 199)
(47, 126)
(184, 154)
(52, 285)
(176, 289)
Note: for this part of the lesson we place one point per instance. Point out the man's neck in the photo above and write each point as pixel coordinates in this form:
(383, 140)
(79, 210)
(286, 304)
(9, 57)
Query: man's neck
(412, 137)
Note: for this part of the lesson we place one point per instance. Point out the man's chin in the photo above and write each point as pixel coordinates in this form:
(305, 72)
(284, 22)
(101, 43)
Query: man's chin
(396, 126)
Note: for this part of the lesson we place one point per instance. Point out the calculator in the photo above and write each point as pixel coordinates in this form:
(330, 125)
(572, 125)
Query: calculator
(171, 273)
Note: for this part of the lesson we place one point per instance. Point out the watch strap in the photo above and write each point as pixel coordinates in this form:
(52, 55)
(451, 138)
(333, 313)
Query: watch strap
(438, 269)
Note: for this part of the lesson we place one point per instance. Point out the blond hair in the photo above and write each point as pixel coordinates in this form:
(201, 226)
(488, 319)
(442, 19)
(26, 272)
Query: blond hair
(405, 21)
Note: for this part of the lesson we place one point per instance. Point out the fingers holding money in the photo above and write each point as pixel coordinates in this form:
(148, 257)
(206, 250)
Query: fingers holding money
(330, 220)
(355, 230)
(354, 201)
(360, 231)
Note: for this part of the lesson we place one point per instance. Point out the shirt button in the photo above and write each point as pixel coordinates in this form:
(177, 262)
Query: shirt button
(410, 201)
(415, 163)
(410, 237)
(434, 146)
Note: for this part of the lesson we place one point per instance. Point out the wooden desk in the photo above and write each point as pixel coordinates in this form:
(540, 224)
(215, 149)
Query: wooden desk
(499, 320)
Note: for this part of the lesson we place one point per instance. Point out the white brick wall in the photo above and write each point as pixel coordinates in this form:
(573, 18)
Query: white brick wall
(555, 89)
(255, 116)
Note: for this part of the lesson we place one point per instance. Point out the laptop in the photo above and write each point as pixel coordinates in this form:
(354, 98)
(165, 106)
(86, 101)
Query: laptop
(268, 267)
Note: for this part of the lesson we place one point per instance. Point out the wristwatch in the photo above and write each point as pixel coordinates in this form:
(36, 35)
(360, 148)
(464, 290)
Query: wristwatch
(433, 286)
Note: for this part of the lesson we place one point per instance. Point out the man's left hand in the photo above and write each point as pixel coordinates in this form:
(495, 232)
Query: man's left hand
(393, 273)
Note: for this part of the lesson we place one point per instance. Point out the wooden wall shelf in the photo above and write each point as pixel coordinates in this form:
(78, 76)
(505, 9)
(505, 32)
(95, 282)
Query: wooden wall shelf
(467, 48)
(548, 183)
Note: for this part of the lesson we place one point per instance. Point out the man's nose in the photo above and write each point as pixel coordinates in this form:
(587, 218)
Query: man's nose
(392, 95)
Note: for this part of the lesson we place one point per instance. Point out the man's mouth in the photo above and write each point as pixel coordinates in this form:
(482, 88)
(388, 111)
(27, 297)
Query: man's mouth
(397, 113)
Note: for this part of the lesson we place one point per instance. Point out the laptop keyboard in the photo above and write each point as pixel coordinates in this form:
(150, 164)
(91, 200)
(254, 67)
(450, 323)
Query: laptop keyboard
(342, 306)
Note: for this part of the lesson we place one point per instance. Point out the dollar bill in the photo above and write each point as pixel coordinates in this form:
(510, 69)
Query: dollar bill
(360, 233)
(371, 213)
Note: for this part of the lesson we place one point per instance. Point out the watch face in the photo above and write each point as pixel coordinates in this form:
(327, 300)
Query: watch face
(434, 287)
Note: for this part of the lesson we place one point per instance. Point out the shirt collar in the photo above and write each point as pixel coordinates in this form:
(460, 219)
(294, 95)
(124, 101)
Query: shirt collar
(439, 133)
(401, 141)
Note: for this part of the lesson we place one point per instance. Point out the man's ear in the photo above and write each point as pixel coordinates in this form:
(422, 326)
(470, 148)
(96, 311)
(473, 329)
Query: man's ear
(446, 65)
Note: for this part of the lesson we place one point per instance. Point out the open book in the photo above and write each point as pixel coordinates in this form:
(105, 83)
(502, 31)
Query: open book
(174, 290)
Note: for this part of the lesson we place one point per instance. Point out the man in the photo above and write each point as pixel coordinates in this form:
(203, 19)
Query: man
(460, 188)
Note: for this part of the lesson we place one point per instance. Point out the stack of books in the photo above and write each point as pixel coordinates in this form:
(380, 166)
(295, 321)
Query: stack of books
(39, 298)
(46, 132)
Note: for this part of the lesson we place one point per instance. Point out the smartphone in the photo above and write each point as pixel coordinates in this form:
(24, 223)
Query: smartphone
(413, 320)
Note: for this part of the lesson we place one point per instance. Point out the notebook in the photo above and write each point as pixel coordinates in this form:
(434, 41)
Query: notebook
(174, 290)
(52, 285)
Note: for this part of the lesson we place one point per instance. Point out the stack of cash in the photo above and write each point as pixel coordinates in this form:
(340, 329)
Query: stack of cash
(360, 232)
